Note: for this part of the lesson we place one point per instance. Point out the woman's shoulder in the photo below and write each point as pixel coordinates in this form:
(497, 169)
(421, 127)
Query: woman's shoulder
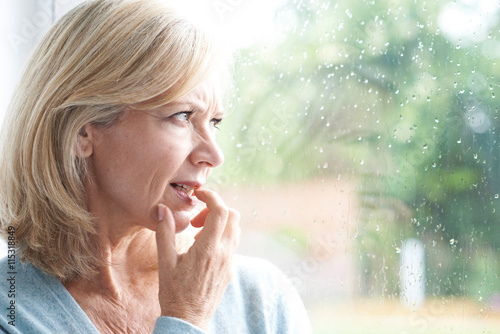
(257, 273)
(259, 276)
(260, 299)
(17, 277)
(36, 302)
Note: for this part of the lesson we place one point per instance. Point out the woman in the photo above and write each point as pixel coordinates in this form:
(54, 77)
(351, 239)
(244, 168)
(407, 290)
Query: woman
(109, 141)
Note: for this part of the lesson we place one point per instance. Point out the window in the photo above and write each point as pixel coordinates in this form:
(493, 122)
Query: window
(363, 153)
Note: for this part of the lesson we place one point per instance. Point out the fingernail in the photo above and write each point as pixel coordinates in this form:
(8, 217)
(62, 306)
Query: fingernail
(161, 212)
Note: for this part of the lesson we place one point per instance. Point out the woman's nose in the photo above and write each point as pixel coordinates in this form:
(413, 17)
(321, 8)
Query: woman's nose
(207, 151)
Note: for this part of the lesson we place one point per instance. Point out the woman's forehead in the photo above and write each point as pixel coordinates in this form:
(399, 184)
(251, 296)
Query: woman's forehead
(205, 96)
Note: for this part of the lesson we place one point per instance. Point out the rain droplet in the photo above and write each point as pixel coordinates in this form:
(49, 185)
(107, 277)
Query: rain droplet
(453, 241)
(325, 165)
(425, 146)
(436, 120)
(238, 145)
(496, 196)
(377, 228)
(475, 156)
(459, 141)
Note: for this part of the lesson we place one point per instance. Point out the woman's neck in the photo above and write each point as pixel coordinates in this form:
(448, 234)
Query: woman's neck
(131, 260)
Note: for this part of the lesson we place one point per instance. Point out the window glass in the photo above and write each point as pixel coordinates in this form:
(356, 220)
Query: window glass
(363, 153)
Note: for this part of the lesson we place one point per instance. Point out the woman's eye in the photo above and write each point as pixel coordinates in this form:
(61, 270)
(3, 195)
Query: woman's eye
(183, 116)
(215, 122)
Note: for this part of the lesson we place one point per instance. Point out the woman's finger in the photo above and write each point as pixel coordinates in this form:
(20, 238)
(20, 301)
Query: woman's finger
(199, 219)
(231, 235)
(216, 219)
(165, 238)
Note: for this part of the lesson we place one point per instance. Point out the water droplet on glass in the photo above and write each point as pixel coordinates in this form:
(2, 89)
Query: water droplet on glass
(425, 146)
(325, 165)
(459, 141)
(377, 228)
(496, 196)
(436, 120)
(453, 241)
(475, 156)
(238, 145)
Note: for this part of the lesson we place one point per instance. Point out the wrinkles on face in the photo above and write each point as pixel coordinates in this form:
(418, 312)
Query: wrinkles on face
(140, 158)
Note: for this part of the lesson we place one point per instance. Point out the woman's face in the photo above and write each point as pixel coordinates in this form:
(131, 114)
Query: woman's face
(155, 156)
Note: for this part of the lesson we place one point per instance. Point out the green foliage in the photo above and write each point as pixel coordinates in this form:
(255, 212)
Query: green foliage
(375, 89)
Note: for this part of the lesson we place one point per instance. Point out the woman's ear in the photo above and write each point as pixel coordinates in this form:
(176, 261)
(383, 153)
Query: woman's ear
(85, 141)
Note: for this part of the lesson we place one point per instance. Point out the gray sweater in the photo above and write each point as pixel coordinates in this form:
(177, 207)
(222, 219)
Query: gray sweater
(259, 299)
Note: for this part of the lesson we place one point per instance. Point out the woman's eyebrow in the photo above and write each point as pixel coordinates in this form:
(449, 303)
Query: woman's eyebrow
(196, 106)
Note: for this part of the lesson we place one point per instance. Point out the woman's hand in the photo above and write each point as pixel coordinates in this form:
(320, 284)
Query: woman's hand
(192, 284)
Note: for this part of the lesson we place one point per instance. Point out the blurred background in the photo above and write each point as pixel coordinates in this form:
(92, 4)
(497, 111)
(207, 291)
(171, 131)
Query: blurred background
(362, 148)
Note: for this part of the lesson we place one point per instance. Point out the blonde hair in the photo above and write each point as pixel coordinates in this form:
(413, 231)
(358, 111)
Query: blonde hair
(99, 59)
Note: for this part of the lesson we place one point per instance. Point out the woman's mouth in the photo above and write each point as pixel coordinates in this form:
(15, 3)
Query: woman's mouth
(185, 192)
